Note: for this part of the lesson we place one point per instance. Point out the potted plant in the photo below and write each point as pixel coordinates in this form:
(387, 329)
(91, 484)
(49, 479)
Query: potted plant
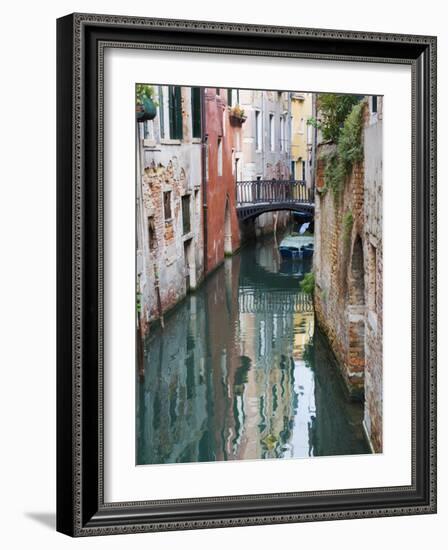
(146, 107)
(237, 115)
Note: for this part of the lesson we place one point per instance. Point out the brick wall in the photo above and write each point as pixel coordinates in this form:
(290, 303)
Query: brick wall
(348, 270)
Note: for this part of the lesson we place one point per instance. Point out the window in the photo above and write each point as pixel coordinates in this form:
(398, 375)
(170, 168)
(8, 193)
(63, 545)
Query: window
(167, 205)
(374, 104)
(196, 112)
(233, 97)
(271, 133)
(161, 112)
(258, 130)
(229, 97)
(186, 224)
(282, 133)
(309, 132)
(197, 205)
(151, 233)
(219, 156)
(175, 112)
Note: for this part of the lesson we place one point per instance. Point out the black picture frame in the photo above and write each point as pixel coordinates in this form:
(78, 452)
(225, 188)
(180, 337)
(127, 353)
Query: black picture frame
(81, 510)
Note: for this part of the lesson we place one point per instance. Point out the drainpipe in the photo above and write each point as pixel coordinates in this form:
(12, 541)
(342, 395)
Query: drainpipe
(288, 138)
(204, 179)
(314, 147)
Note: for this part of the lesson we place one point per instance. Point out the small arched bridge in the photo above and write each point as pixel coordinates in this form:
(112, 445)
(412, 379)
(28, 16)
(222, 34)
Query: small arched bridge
(257, 197)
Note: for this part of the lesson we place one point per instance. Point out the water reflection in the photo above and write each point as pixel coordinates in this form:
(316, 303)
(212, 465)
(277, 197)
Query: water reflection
(239, 372)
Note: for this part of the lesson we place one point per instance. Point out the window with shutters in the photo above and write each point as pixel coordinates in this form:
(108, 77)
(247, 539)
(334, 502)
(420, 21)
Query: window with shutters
(175, 111)
(196, 112)
(229, 97)
(161, 112)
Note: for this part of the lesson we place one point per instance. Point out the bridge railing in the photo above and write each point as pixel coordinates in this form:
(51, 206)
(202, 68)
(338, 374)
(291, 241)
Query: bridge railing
(273, 191)
(274, 302)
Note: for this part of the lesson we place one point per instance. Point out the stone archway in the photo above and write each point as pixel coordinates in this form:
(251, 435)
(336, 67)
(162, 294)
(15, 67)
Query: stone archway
(356, 280)
(356, 320)
(227, 230)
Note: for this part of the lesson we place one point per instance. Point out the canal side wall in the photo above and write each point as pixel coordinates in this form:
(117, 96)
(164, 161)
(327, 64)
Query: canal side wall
(348, 273)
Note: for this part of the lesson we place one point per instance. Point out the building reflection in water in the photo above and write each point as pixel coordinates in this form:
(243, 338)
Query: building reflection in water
(239, 372)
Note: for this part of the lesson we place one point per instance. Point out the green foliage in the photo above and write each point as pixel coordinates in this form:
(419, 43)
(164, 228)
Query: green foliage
(349, 150)
(307, 283)
(333, 174)
(333, 110)
(143, 91)
(347, 225)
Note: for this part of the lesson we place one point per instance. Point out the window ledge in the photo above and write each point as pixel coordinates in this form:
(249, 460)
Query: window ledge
(165, 141)
(149, 143)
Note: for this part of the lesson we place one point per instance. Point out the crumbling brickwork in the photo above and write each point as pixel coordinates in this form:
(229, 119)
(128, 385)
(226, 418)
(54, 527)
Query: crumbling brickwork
(348, 270)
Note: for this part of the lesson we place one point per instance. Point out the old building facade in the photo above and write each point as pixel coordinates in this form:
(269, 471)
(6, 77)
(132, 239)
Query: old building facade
(348, 270)
(301, 136)
(169, 234)
(266, 145)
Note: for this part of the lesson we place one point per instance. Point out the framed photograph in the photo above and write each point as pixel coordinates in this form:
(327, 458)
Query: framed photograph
(246, 274)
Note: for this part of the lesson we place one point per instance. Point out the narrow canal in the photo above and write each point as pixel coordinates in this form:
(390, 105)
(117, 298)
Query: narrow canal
(241, 372)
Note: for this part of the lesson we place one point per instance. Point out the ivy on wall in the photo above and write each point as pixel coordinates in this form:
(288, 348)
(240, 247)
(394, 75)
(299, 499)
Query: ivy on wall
(346, 134)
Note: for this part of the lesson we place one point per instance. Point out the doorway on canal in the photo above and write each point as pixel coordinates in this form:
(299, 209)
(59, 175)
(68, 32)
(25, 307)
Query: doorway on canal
(240, 371)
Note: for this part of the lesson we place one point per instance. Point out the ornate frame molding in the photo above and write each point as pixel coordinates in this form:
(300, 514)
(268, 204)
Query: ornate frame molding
(81, 42)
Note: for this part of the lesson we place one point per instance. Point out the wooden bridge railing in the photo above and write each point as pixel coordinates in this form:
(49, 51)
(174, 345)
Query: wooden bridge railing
(273, 191)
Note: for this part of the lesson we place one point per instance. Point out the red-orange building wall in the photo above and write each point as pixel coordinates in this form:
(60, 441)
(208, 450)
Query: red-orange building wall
(220, 191)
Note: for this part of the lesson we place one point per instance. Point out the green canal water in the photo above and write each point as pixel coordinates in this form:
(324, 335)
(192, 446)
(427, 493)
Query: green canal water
(240, 371)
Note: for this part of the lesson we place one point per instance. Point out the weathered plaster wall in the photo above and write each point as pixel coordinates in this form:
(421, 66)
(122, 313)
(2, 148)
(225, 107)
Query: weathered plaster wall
(165, 253)
(263, 161)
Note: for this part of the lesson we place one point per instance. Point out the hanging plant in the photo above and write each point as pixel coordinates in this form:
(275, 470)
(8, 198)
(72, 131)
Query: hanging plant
(237, 115)
(146, 107)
